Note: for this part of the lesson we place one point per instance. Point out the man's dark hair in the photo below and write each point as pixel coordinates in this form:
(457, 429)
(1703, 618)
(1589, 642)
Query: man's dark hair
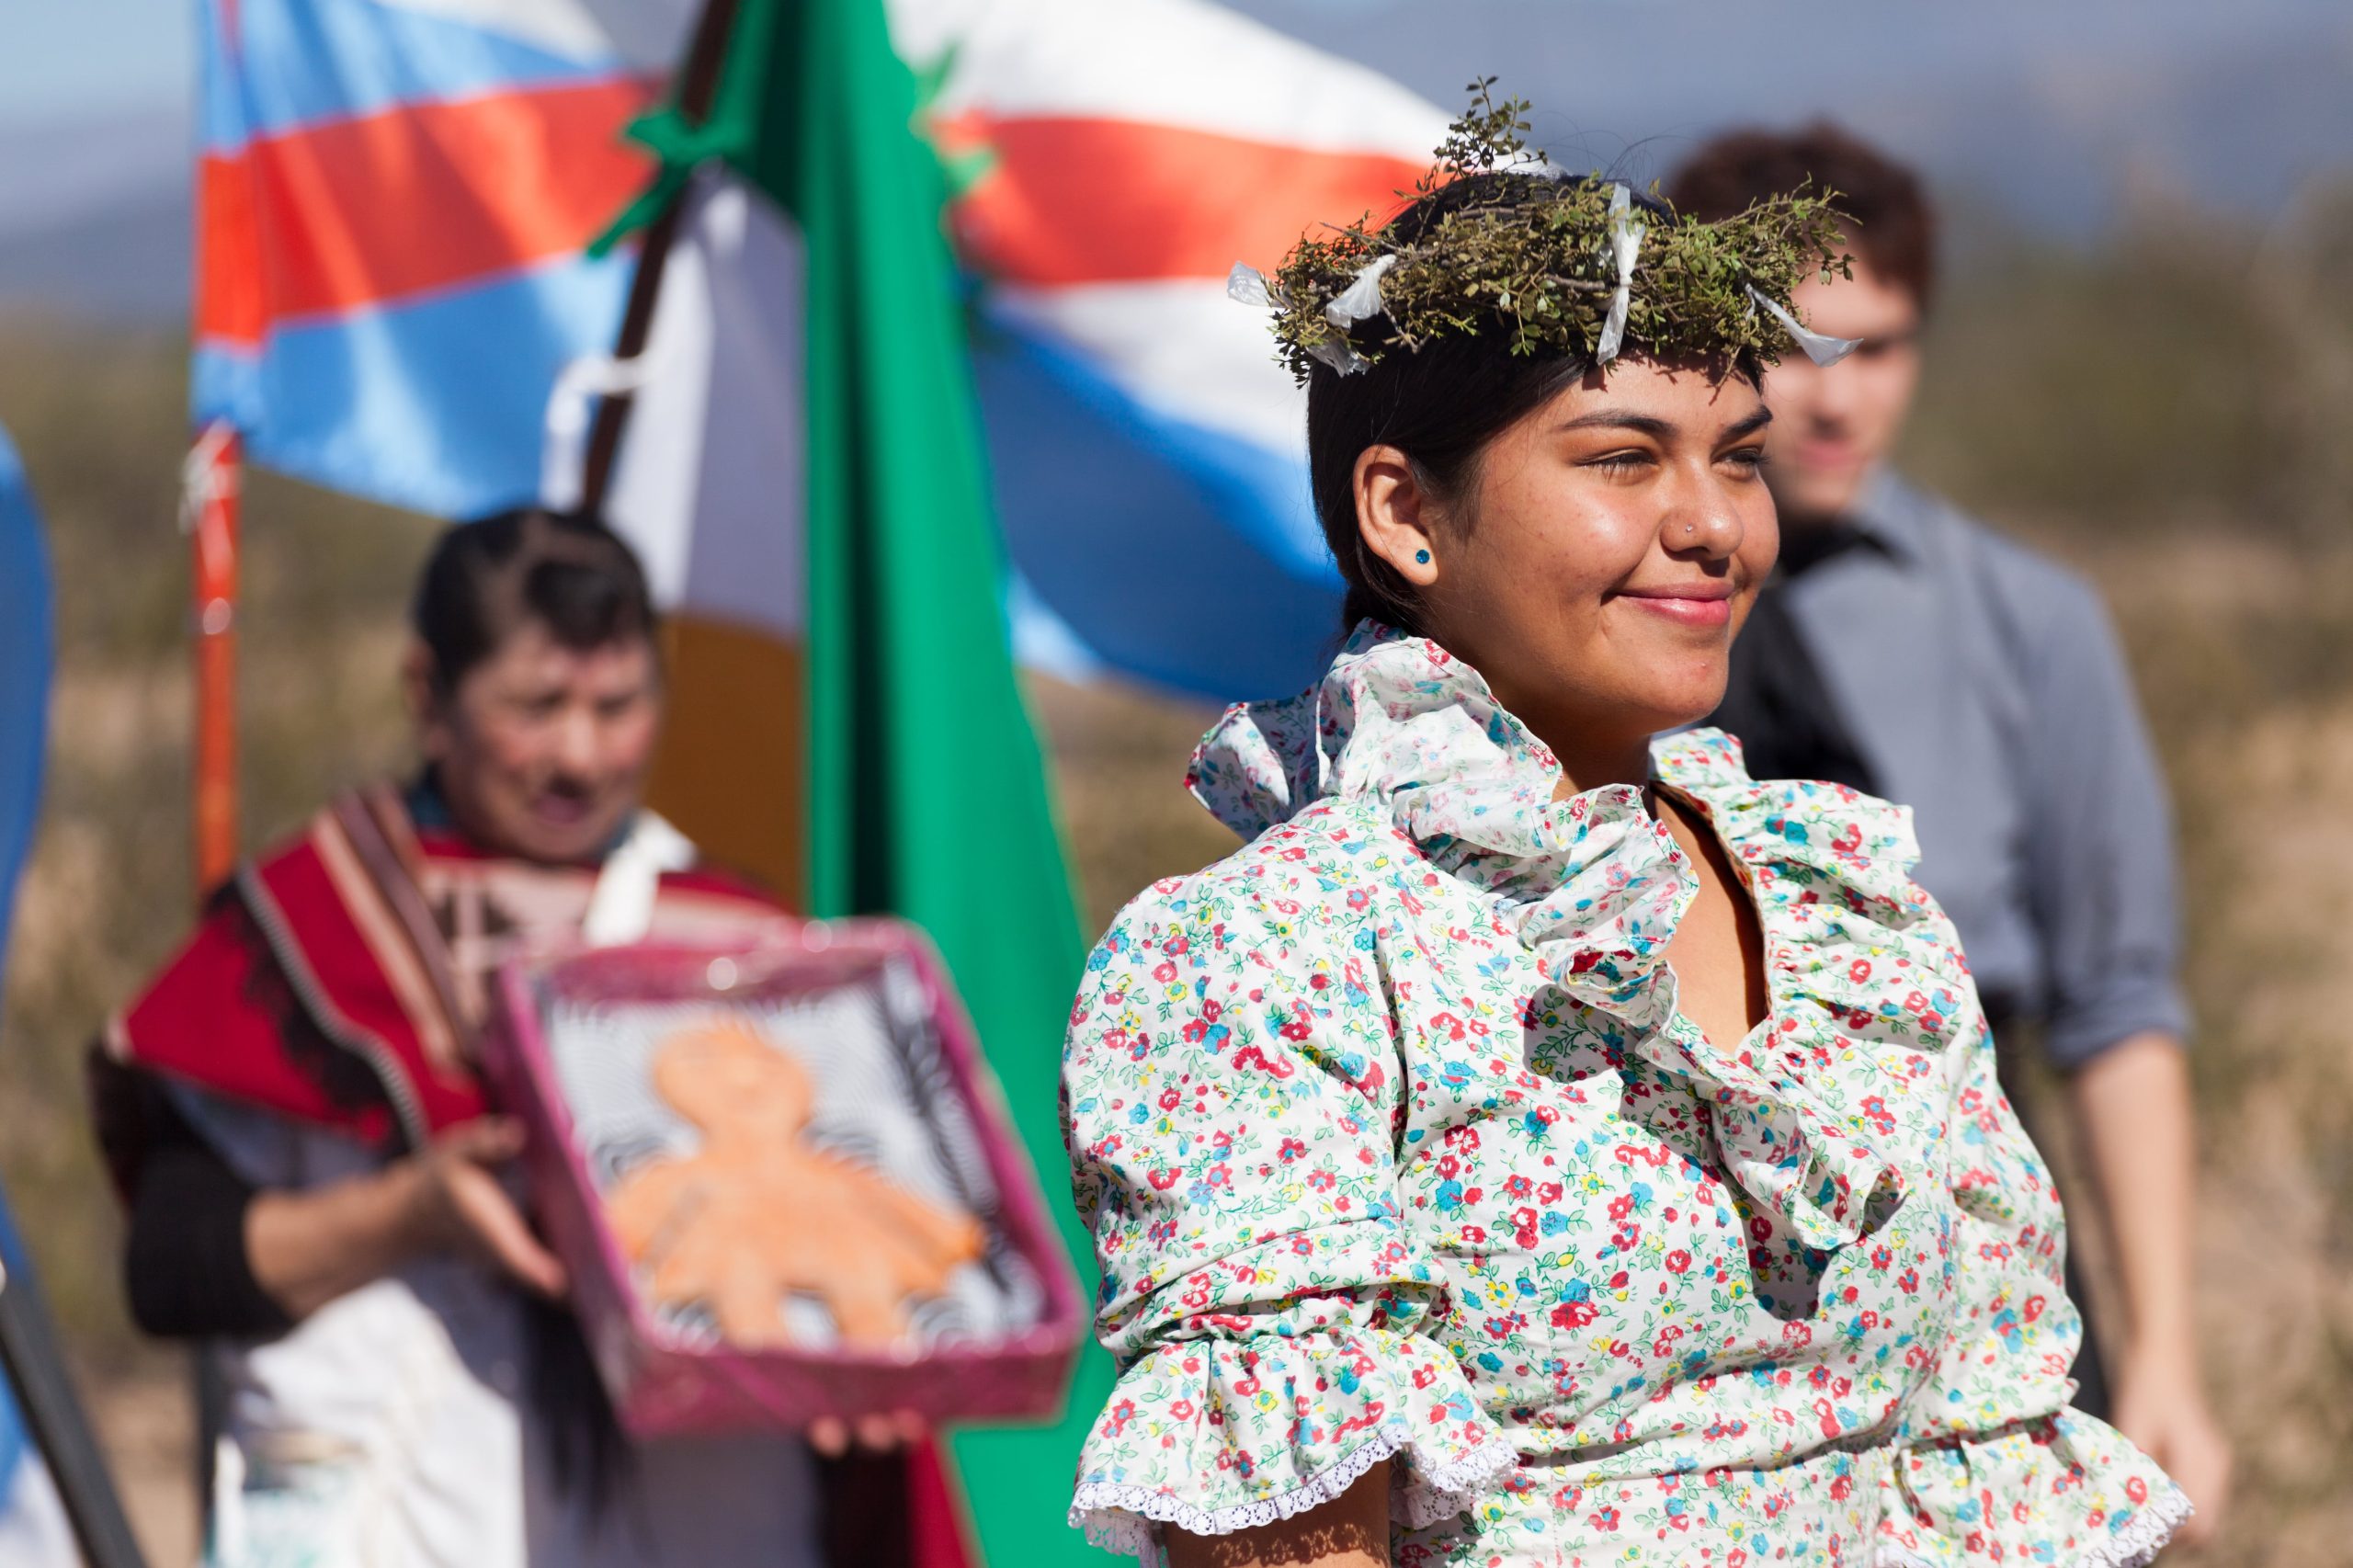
(1894, 228)
(1440, 404)
(488, 579)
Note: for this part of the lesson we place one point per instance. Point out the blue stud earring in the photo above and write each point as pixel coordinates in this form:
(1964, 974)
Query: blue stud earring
(1423, 556)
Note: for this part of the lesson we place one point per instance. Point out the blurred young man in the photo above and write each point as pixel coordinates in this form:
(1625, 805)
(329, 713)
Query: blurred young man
(1908, 649)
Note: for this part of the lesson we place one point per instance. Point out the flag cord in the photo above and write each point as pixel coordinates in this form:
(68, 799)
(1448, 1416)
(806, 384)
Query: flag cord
(698, 88)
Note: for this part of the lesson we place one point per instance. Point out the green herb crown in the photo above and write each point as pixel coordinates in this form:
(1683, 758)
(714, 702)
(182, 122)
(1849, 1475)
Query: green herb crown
(1535, 257)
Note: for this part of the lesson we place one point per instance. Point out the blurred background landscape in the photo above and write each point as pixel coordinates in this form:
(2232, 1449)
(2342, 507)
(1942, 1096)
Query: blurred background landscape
(2143, 362)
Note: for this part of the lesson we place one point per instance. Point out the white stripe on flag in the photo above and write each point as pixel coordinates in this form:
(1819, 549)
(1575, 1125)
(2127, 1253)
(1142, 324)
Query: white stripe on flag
(1180, 62)
(646, 34)
(1179, 348)
(710, 486)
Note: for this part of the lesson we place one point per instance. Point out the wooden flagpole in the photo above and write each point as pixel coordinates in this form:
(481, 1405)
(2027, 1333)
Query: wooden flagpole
(213, 482)
(697, 87)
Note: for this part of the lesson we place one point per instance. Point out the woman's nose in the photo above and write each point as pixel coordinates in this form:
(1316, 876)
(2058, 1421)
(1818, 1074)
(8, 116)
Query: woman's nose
(1703, 523)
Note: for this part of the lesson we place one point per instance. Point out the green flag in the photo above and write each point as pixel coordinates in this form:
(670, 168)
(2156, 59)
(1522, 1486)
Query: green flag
(926, 788)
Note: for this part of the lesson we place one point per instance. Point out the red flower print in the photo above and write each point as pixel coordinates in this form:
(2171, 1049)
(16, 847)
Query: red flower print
(1678, 1260)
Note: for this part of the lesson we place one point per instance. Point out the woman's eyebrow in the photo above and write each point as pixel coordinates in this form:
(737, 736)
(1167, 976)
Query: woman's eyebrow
(1605, 419)
(1660, 429)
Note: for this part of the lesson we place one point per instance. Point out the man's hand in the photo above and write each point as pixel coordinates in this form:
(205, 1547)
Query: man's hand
(309, 1248)
(2133, 1103)
(457, 1204)
(833, 1437)
(2162, 1408)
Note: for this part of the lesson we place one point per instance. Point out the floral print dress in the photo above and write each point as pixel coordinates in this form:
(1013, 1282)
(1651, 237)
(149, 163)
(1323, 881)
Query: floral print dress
(1395, 1146)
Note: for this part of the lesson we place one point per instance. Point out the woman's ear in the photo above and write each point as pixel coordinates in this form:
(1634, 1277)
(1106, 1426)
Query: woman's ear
(1396, 515)
(425, 700)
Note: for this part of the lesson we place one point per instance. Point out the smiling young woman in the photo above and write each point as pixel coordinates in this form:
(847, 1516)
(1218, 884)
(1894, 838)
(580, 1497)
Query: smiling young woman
(1542, 1142)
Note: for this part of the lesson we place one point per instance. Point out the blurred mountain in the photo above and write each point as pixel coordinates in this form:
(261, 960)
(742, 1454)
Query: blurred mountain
(94, 217)
(2054, 120)
(2061, 117)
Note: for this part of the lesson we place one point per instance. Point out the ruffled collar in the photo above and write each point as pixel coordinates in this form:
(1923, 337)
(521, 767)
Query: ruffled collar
(1594, 878)
(1595, 888)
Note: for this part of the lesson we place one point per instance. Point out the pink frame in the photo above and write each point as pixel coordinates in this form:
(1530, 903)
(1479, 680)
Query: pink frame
(660, 1387)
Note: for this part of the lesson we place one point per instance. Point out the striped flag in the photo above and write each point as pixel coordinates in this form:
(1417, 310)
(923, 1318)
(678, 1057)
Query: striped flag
(1115, 163)
(392, 197)
(395, 197)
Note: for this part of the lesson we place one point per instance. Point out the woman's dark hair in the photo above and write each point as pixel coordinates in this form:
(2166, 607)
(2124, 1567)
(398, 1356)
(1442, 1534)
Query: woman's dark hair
(488, 579)
(1440, 404)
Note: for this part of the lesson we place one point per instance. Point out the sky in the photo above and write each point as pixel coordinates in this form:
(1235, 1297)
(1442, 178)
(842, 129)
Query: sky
(65, 60)
(62, 61)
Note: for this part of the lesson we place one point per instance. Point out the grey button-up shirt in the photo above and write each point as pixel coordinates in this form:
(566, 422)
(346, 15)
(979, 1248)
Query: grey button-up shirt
(1984, 688)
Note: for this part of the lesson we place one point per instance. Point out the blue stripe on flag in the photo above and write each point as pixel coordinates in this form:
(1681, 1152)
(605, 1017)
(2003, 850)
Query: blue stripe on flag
(301, 62)
(1177, 554)
(437, 404)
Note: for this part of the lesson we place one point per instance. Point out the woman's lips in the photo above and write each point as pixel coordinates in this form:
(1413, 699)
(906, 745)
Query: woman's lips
(1701, 607)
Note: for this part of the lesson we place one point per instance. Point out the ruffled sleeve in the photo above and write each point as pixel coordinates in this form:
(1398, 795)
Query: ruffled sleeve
(1232, 1088)
(1992, 1464)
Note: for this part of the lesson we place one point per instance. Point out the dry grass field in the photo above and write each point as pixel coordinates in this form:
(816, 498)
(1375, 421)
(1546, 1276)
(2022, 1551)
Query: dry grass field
(2079, 398)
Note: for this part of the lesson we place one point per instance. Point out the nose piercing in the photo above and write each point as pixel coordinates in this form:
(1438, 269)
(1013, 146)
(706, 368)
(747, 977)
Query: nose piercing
(1690, 527)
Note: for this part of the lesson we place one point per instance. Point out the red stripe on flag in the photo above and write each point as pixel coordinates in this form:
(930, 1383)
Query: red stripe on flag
(1070, 200)
(367, 211)
(229, 304)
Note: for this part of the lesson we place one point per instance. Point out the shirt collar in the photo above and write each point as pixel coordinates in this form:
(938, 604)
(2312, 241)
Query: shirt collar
(1890, 513)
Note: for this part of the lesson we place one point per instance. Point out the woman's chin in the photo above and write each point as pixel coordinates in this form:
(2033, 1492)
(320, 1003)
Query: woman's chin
(1680, 704)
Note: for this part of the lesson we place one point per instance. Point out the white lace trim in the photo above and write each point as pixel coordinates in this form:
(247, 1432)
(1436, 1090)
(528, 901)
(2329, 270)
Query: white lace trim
(2134, 1546)
(2139, 1541)
(1120, 1518)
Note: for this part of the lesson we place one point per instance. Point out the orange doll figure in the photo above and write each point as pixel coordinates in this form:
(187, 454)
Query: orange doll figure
(752, 1216)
